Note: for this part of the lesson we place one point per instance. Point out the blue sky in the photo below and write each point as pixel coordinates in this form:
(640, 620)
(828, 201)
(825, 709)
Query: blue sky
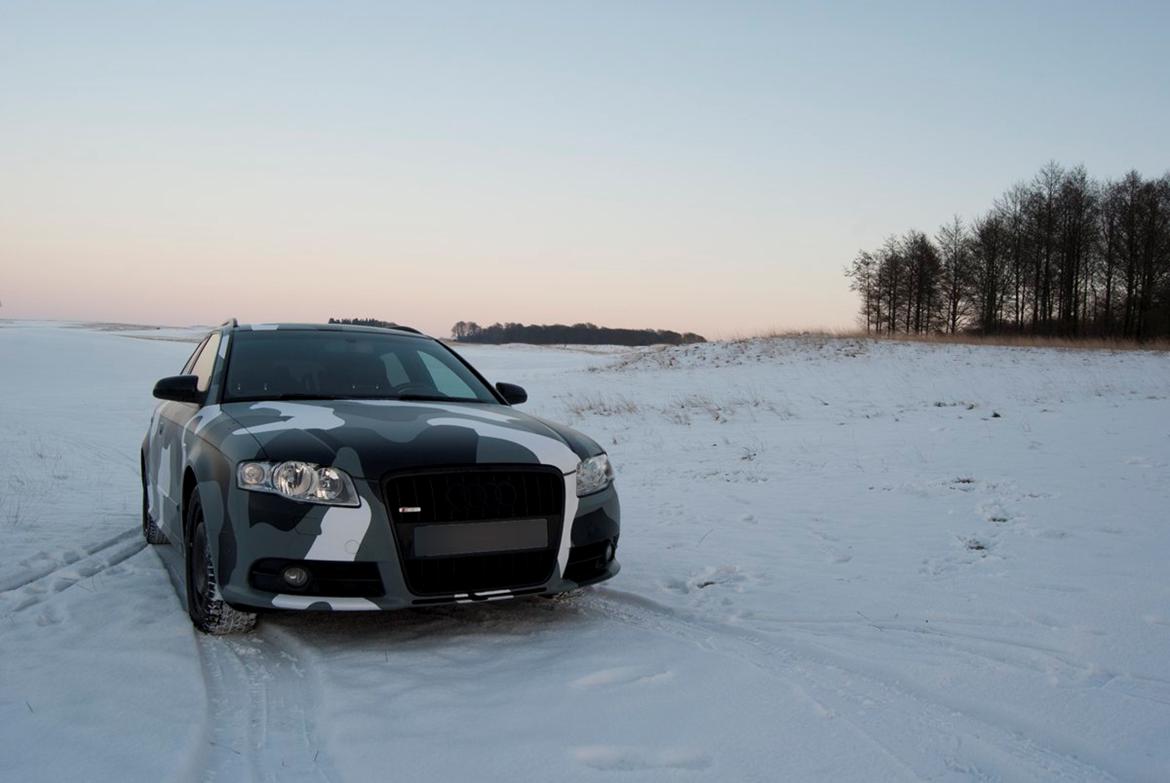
(698, 166)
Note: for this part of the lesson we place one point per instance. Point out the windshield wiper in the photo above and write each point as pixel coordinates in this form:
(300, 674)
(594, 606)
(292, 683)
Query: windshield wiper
(433, 398)
(324, 397)
(298, 396)
(283, 397)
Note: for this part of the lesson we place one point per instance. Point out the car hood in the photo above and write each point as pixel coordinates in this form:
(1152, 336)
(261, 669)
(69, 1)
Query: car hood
(368, 438)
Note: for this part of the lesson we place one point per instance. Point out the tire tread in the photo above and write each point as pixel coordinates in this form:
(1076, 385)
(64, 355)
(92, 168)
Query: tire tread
(220, 619)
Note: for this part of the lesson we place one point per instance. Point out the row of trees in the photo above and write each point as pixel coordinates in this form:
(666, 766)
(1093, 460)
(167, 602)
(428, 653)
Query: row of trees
(577, 334)
(1060, 255)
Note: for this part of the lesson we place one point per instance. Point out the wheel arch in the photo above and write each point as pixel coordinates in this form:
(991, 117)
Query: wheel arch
(210, 473)
(189, 484)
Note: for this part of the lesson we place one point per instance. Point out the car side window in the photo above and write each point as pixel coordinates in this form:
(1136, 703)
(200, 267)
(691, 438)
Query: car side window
(206, 362)
(194, 356)
(444, 379)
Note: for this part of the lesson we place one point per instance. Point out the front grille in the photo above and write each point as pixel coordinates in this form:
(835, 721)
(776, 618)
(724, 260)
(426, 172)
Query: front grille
(468, 495)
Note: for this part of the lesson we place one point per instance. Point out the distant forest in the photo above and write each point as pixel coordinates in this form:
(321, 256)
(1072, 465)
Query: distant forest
(577, 334)
(1059, 255)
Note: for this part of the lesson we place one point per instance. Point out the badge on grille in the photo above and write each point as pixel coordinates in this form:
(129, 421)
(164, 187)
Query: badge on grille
(409, 509)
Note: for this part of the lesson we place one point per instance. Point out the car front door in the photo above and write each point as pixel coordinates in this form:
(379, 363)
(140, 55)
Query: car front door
(168, 448)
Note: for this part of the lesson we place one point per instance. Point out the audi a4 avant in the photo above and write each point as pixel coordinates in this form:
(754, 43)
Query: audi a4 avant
(330, 467)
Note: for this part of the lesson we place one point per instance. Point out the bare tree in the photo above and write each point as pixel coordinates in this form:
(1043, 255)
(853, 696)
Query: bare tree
(954, 250)
(862, 274)
(1059, 254)
(990, 279)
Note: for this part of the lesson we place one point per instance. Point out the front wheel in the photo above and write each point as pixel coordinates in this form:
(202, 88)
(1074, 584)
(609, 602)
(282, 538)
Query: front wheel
(208, 611)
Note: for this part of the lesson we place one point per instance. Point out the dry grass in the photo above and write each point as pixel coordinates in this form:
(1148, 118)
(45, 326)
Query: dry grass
(1008, 340)
(781, 334)
(599, 405)
(683, 409)
(1024, 341)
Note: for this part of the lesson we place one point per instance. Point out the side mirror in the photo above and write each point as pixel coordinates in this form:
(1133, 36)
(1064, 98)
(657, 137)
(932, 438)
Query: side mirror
(513, 394)
(179, 388)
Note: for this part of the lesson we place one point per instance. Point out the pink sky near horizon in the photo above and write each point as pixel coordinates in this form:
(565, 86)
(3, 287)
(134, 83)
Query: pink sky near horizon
(161, 247)
(687, 166)
(181, 287)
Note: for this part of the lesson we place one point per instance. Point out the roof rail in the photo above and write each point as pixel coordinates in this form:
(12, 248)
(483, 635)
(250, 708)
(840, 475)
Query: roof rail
(410, 329)
(230, 322)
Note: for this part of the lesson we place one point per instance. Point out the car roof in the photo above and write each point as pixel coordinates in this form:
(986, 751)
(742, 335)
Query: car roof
(404, 331)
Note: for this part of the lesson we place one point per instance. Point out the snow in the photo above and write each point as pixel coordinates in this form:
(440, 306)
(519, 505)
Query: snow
(842, 560)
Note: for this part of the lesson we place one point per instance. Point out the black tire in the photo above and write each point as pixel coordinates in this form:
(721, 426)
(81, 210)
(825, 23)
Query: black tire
(150, 531)
(208, 611)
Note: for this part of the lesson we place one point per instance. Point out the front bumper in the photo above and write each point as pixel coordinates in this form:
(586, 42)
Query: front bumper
(263, 529)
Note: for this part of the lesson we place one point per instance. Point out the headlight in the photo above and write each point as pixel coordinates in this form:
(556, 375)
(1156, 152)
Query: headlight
(593, 475)
(302, 481)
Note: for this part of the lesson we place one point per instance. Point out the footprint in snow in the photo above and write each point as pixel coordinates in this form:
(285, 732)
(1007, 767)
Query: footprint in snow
(622, 675)
(708, 577)
(995, 513)
(964, 483)
(89, 569)
(50, 615)
(630, 759)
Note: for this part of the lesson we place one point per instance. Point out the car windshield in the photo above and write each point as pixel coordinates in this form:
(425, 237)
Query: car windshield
(302, 364)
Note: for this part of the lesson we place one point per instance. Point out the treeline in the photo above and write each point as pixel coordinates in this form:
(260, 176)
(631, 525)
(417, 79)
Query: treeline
(577, 334)
(1060, 255)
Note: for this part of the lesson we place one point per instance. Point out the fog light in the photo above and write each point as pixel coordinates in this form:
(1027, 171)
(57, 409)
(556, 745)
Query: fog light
(608, 552)
(295, 576)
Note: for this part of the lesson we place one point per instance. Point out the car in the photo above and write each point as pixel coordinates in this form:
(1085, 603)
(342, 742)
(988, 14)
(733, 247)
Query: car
(339, 467)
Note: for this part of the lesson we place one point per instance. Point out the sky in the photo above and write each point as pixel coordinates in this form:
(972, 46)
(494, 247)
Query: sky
(707, 167)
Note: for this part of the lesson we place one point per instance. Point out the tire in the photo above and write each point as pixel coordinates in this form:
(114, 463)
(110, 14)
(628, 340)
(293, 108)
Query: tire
(150, 531)
(209, 613)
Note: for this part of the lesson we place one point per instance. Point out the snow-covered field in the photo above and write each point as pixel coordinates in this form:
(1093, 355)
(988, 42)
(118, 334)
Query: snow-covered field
(842, 560)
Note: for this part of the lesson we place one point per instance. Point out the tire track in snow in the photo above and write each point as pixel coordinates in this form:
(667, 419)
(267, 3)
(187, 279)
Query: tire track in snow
(41, 588)
(262, 703)
(836, 679)
(658, 620)
(1010, 654)
(263, 696)
(17, 581)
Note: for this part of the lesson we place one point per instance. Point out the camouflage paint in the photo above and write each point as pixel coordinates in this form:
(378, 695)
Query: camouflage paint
(366, 438)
